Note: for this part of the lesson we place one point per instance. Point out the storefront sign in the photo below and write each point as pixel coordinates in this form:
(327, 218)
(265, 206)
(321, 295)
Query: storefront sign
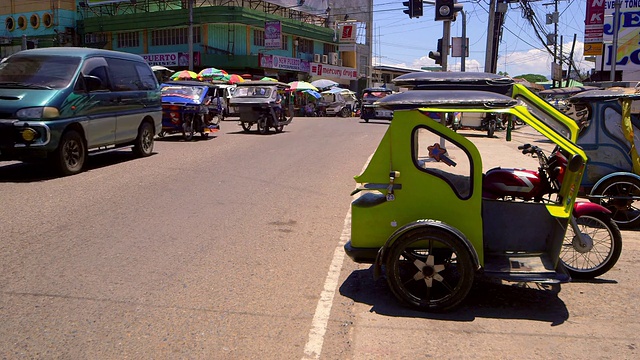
(272, 35)
(628, 56)
(171, 59)
(336, 72)
(283, 63)
(593, 30)
(347, 33)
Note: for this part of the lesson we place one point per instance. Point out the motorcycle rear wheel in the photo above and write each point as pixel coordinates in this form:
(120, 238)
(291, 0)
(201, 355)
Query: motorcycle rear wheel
(599, 251)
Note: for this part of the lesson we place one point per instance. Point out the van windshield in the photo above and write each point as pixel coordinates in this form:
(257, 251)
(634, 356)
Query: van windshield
(38, 71)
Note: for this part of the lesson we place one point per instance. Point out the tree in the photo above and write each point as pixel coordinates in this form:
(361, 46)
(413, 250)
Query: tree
(532, 78)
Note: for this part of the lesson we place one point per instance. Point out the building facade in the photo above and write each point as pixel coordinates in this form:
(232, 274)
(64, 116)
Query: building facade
(234, 35)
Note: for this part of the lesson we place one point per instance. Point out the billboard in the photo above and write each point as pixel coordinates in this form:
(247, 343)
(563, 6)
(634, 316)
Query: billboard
(628, 56)
(272, 35)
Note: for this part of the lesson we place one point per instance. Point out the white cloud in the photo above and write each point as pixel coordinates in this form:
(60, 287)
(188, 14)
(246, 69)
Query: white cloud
(533, 61)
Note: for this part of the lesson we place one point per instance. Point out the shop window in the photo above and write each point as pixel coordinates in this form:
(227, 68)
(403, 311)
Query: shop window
(258, 37)
(9, 23)
(176, 36)
(128, 39)
(22, 22)
(329, 48)
(35, 21)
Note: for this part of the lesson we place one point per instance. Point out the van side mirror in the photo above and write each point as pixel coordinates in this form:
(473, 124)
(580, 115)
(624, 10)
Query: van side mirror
(93, 83)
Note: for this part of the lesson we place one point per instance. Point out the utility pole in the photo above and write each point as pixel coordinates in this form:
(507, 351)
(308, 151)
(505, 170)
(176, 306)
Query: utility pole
(446, 35)
(555, 41)
(488, 58)
(614, 48)
(464, 39)
(190, 40)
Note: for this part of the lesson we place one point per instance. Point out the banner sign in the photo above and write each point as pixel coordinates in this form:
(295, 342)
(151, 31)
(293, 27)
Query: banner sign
(336, 72)
(171, 59)
(628, 56)
(283, 63)
(272, 35)
(594, 25)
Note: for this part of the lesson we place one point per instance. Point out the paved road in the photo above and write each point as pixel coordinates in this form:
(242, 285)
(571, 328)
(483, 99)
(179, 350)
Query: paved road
(229, 248)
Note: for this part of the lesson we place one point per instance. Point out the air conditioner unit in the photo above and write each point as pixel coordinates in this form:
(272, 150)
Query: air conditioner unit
(339, 62)
(333, 58)
(316, 58)
(325, 59)
(5, 40)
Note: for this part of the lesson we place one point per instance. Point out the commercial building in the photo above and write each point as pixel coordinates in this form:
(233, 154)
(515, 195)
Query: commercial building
(287, 39)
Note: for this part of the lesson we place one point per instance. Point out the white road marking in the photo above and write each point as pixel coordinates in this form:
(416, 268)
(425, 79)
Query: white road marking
(313, 348)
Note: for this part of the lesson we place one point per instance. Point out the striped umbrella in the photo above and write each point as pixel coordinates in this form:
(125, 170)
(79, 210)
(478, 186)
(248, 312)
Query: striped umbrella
(302, 85)
(233, 78)
(266, 78)
(185, 75)
(212, 73)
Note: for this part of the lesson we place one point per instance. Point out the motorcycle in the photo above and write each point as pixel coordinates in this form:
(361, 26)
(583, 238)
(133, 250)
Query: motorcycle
(593, 241)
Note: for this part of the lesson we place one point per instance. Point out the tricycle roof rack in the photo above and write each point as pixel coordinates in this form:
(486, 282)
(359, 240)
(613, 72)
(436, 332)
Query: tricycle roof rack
(606, 94)
(421, 79)
(444, 99)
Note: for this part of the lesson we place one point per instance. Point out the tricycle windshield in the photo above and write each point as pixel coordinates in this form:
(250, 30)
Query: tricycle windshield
(253, 91)
(46, 72)
(193, 93)
(548, 119)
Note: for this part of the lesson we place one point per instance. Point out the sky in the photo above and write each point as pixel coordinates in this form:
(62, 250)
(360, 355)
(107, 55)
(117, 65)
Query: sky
(401, 41)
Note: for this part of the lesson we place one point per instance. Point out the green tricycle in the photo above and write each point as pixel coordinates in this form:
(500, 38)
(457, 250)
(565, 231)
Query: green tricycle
(422, 212)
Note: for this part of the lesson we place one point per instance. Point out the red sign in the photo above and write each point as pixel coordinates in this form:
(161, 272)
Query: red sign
(348, 33)
(593, 29)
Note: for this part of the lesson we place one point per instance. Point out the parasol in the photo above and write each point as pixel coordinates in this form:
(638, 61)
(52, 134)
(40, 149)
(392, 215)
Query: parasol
(302, 85)
(212, 73)
(185, 75)
(324, 83)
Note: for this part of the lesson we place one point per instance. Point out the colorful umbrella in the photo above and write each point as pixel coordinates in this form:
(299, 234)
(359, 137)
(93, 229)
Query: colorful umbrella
(324, 83)
(233, 78)
(212, 72)
(185, 75)
(266, 78)
(302, 85)
(313, 93)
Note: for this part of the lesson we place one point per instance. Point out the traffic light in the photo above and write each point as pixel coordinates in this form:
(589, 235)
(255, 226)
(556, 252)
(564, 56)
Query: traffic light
(437, 55)
(417, 8)
(446, 10)
(414, 8)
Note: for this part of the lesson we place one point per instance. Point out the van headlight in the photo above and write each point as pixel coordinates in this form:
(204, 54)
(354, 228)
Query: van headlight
(40, 112)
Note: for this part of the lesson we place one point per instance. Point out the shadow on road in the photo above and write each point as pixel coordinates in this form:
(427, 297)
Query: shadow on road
(40, 171)
(486, 299)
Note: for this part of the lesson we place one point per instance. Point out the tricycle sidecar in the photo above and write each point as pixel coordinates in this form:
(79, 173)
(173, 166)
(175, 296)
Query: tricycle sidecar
(264, 103)
(610, 136)
(422, 214)
(189, 107)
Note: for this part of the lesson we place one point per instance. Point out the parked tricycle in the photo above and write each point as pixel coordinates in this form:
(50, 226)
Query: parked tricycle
(339, 102)
(593, 242)
(429, 214)
(189, 107)
(266, 104)
(370, 111)
(609, 135)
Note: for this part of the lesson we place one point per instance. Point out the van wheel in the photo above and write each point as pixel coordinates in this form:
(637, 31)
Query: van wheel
(345, 112)
(144, 142)
(71, 154)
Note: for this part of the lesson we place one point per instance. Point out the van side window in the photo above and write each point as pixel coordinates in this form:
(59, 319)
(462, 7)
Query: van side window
(147, 79)
(97, 67)
(124, 74)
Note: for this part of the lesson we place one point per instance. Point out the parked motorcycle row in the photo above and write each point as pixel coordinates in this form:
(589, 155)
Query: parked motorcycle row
(434, 220)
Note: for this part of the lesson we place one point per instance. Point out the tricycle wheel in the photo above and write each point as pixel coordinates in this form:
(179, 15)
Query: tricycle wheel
(188, 129)
(246, 127)
(429, 269)
(345, 112)
(263, 128)
(491, 128)
(617, 195)
(596, 251)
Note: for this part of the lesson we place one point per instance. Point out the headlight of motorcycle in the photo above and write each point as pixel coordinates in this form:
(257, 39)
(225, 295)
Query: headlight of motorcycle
(40, 112)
